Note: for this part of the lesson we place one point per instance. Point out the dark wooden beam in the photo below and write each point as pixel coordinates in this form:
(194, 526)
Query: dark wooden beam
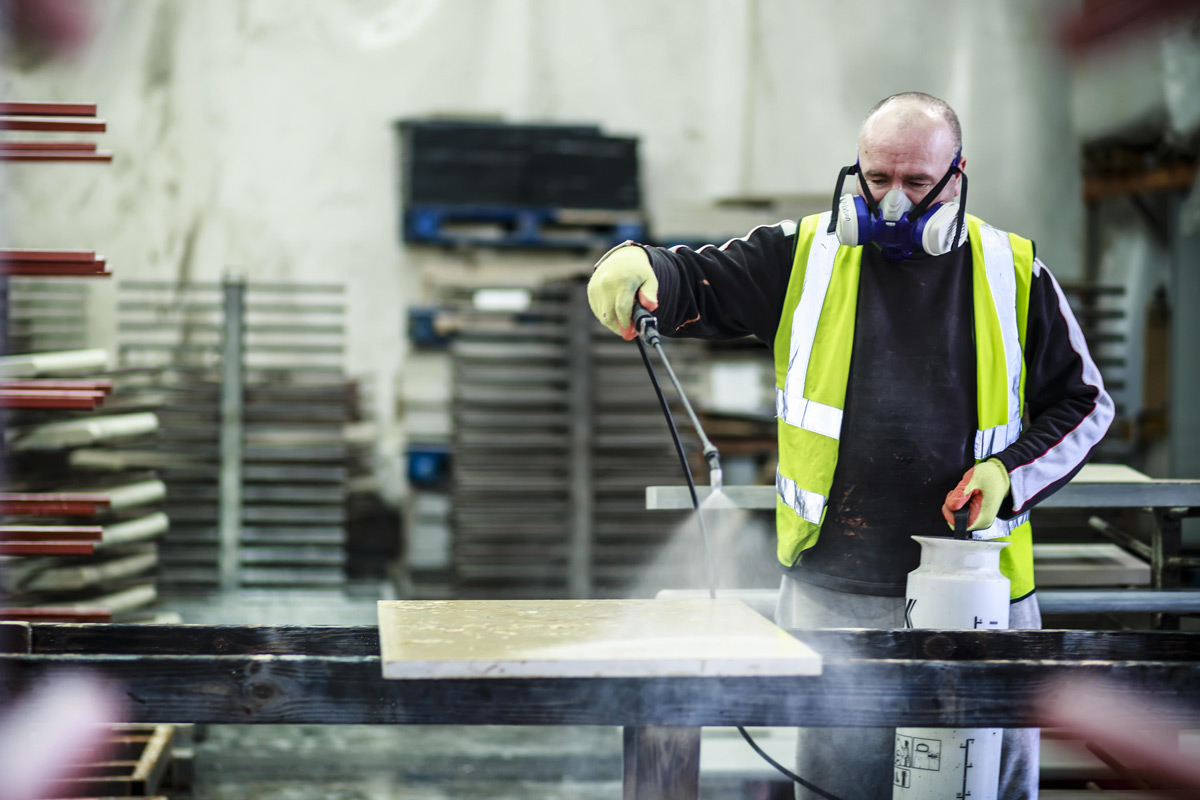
(65, 639)
(15, 637)
(850, 692)
(331, 674)
(217, 640)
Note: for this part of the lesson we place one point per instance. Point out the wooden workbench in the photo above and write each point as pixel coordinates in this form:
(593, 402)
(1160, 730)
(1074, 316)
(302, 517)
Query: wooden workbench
(869, 678)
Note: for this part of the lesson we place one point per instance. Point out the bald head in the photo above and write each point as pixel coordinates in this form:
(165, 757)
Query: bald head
(908, 142)
(912, 109)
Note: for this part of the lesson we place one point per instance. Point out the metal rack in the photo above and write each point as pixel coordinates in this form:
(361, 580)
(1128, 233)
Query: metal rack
(511, 494)
(76, 545)
(1100, 312)
(45, 315)
(556, 431)
(249, 380)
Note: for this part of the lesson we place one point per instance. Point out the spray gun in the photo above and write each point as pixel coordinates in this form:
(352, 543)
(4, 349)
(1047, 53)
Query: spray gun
(648, 336)
(647, 329)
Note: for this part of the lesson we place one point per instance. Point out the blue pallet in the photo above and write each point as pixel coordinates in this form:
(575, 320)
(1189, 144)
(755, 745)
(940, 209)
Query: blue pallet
(514, 227)
(422, 328)
(428, 465)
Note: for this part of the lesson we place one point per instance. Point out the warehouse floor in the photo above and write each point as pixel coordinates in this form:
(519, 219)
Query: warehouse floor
(354, 762)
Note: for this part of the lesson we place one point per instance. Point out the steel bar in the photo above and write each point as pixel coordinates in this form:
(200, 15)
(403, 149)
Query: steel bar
(38, 123)
(49, 384)
(1124, 539)
(232, 376)
(55, 533)
(579, 464)
(47, 548)
(100, 156)
(35, 398)
(52, 504)
(21, 254)
(66, 147)
(1117, 601)
(1051, 601)
(37, 108)
(1149, 494)
(1166, 542)
(53, 269)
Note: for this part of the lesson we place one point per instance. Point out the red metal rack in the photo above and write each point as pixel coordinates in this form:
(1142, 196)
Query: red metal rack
(51, 118)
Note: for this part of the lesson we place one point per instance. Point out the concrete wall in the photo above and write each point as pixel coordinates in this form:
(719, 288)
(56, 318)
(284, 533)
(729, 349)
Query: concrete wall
(256, 134)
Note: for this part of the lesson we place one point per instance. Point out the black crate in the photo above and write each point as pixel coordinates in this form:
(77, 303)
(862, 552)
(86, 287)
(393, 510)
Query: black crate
(520, 166)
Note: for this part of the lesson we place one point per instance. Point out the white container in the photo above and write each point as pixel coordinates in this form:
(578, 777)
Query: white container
(958, 586)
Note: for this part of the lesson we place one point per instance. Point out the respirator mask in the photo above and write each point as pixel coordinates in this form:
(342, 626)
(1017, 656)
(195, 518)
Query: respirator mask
(894, 224)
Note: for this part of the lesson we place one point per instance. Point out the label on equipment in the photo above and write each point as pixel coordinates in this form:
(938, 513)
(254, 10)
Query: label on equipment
(917, 753)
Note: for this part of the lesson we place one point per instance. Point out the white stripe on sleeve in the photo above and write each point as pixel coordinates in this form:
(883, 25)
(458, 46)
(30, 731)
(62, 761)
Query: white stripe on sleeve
(787, 227)
(1030, 479)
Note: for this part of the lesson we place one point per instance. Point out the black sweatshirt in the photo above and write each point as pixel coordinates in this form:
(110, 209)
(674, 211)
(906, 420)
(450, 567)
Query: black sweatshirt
(909, 423)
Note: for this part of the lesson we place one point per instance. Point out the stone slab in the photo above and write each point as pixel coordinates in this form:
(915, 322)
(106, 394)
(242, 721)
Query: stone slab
(585, 638)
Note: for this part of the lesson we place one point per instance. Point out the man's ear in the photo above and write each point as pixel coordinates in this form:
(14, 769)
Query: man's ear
(962, 167)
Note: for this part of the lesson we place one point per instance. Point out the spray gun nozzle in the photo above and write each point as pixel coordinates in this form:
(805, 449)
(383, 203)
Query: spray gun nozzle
(716, 476)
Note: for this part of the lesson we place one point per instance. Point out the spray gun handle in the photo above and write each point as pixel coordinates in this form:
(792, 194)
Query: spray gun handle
(962, 518)
(645, 324)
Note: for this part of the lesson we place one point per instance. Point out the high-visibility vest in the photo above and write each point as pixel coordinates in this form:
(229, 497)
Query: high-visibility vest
(812, 366)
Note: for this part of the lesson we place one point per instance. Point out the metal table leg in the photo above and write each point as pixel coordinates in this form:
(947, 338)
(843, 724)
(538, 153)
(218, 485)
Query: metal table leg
(662, 763)
(1164, 560)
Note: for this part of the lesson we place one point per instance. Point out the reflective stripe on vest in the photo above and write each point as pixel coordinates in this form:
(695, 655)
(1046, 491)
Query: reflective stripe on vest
(791, 405)
(999, 285)
(812, 361)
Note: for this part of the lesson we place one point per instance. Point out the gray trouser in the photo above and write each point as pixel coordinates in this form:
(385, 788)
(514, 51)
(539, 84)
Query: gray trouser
(856, 763)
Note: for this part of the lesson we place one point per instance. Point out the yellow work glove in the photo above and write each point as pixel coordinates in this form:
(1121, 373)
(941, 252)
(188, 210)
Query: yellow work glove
(620, 277)
(984, 486)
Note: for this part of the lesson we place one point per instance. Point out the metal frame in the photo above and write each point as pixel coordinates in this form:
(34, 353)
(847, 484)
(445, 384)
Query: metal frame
(257, 495)
(579, 405)
(233, 299)
(1169, 501)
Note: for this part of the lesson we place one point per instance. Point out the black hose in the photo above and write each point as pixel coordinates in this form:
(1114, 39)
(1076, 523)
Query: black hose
(662, 401)
(712, 585)
(687, 470)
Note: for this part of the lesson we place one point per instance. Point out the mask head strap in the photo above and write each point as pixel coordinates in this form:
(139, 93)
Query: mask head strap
(867, 196)
(962, 209)
(837, 194)
(921, 207)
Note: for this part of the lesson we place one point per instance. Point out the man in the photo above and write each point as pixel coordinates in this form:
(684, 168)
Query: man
(910, 340)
